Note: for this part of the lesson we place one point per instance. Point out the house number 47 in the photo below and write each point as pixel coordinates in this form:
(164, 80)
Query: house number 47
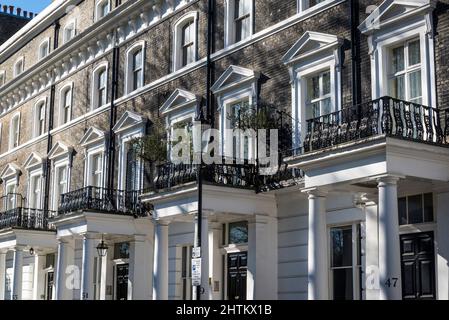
(391, 282)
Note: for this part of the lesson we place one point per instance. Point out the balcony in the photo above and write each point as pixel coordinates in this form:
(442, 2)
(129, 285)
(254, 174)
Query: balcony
(13, 214)
(104, 201)
(383, 117)
(169, 176)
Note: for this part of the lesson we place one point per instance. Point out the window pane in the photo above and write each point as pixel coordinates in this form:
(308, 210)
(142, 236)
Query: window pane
(137, 60)
(398, 59)
(326, 106)
(238, 232)
(428, 207)
(341, 241)
(326, 83)
(121, 250)
(398, 87)
(414, 54)
(313, 88)
(342, 283)
(402, 209)
(415, 84)
(415, 209)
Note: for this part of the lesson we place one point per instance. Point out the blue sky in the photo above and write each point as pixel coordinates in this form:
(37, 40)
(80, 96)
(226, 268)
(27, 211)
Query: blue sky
(28, 5)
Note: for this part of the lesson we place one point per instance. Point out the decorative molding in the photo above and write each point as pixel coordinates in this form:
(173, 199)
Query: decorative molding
(60, 150)
(12, 170)
(128, 120)
(234, 76)
(34, 160)
(93, 135)
(179, 99)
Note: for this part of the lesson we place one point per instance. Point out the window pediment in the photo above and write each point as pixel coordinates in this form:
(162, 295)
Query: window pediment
(34, 160)
(12, 170)
(309, 44)
(392, 11)
(59, 150)
(128, 120)
(177, 100)
(92, 135)
(233, 77)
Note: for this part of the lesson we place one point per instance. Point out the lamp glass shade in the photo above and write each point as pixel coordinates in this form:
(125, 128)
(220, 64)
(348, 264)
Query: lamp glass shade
(102, 249)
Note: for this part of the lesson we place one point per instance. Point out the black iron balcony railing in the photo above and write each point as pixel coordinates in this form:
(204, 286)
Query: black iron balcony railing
(26, 218)
(228, 173)
(103, 200)
(11, 201)
(384, 116)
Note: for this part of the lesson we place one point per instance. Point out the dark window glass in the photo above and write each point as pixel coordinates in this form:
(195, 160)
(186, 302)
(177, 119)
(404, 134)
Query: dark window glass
(238, 232)
(341, 247)
(428, 207)
(343, 284)
(121, 250)
(402, 209)
(49, 260)
(415, 209)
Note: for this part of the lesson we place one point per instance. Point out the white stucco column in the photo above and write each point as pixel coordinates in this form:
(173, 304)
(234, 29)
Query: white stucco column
(2, 274)
(389, 248)
(160, 269)
(87, 272)
(262, 258)
(140, 281)
(318, 285)
(64, 286)
(206, 279)
(16, 292)
(216, 261)
(38, 276)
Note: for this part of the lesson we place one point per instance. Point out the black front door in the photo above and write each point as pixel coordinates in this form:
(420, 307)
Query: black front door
(418, 266)
(237, 269)
(122, 281)
(50, 282)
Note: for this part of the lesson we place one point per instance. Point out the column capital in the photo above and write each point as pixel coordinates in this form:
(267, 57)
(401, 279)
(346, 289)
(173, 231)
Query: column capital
(18, 248)
(316, 192)
(391, 179)
(162, 222)
(139, 238)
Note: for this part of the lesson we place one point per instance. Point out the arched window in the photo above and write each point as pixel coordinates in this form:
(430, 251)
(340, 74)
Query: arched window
(44, 49)
(102, 8)
(39, 118)
(65, 105)
(14, 131)
(18, 67)
(185, 46)
(69, 31)
(99, 91)
(135, 67)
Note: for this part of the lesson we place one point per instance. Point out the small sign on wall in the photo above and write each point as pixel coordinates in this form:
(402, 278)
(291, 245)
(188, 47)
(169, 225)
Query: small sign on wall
(196, 272)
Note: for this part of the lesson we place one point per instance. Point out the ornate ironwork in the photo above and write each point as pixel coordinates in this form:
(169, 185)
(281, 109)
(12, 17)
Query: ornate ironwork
(104, 200)
(26, 218)
(384, 116)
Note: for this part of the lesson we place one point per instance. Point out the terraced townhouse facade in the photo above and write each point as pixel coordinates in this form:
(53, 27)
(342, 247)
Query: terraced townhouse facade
(357, 209)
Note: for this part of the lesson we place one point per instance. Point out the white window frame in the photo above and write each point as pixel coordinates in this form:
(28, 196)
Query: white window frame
(229, 27)
(302, 66)
(129, 83)
(46, 41)
(36, 117)
(17, 72)
(91, 153)
(383, 34)
(304, 5)
(62, 92)
(8, 184)
(177, 39)
(356, 269)
(12, 134)
(98, 3)
(2, 78)
(58, 165)
(71, 23)
(95, 82)
(35, 174)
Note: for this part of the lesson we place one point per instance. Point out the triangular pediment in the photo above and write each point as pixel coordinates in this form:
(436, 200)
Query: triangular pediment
(311, 43)
(58, 150)
(178, 99)
(391, 11)
(35, 159)
(11, 170)
(127, 120)
(234, 76)
(92, 135)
